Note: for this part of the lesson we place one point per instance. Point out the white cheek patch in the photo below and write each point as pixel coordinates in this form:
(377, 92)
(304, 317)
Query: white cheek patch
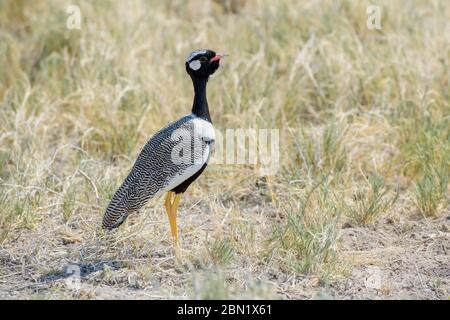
(195, 65)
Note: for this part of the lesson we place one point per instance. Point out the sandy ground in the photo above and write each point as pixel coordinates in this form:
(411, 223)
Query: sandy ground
(396, 258)
(404, 259)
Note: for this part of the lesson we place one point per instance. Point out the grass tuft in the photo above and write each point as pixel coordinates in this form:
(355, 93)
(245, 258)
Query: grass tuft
(370, 201)
(430, 192)
(306, 239)
(221, 251)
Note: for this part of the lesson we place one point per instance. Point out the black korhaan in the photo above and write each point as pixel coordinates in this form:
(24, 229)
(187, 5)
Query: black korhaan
(174, 157)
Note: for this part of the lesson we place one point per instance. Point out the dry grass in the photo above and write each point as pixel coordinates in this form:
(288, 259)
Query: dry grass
(364, 125)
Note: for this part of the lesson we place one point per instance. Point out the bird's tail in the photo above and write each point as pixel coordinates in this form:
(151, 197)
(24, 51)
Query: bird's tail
(125, 201)
(113, 218)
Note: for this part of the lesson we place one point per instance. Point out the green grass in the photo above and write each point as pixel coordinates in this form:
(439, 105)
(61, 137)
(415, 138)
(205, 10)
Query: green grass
(430, 192)
(370, 201)
(306, 240)
(221, 251)
(68, 204)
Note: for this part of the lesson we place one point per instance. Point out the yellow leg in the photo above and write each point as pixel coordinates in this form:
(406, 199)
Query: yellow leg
(171, 204)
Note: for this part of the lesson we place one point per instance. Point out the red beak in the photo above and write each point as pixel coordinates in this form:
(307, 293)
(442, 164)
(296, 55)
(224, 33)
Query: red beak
(217, 57)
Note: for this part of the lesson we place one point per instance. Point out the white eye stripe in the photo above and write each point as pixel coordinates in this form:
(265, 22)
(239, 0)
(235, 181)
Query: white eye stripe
(195, 65)
(194, 53)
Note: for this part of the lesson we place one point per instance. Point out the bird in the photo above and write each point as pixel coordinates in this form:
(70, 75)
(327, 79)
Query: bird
(174, 157)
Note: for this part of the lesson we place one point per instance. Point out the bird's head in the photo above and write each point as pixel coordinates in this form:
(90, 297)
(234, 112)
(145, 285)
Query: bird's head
(202, 63)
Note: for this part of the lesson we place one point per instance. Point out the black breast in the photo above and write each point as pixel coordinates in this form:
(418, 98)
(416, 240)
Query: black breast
(186, 183)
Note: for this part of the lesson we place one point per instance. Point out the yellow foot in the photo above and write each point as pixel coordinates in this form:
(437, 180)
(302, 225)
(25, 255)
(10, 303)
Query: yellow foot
(171, 204)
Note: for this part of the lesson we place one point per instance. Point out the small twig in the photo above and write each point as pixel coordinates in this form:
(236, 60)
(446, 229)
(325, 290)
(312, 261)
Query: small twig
(92, 183)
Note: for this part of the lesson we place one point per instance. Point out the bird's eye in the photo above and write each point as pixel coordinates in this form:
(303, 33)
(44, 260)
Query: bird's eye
(203, 59)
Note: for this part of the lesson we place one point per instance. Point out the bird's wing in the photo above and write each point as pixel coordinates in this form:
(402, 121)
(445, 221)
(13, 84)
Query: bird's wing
(171, 156)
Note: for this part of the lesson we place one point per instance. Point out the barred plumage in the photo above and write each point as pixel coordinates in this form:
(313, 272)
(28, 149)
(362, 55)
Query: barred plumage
(155, 172)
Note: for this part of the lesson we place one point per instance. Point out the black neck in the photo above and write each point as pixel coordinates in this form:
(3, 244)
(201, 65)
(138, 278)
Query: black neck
(200, 105)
